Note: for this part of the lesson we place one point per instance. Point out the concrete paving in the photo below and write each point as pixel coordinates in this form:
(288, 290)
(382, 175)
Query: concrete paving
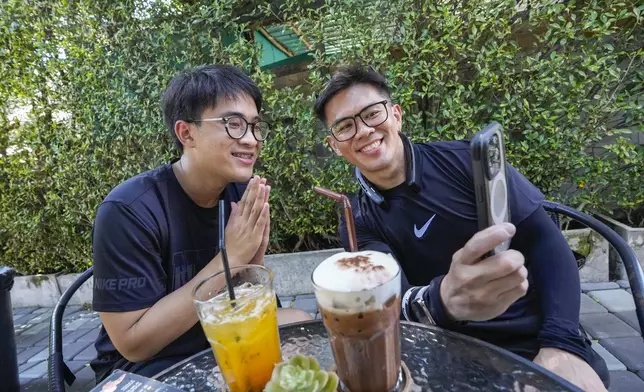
(606, 314)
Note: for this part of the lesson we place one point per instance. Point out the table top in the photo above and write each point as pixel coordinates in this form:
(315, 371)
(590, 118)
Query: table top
(438, 360)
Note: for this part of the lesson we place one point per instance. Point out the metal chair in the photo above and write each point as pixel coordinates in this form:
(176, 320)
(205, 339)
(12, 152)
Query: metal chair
(57, 371)
(633, 268)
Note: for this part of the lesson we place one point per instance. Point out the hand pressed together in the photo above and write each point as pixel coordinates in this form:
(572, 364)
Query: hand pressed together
(259, 256)
(247, 229)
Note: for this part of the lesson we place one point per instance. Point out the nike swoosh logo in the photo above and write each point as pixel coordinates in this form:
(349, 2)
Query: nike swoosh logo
(421, 232)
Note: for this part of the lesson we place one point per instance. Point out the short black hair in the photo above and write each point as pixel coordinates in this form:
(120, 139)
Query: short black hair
(346, 77)
(191, 92)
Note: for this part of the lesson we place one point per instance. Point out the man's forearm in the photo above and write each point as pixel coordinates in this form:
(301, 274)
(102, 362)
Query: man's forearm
(554, 271)
(167, 319)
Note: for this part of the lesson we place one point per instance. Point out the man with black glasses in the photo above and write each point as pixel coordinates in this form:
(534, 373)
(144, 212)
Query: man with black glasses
(156, 234)
(417, 202)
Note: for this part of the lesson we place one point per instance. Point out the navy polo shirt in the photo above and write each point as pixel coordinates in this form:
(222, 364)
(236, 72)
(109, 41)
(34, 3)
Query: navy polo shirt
(150, 239)
(423, 227)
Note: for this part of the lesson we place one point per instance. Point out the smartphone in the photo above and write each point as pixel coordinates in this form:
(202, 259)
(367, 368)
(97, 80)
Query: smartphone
(490, 179)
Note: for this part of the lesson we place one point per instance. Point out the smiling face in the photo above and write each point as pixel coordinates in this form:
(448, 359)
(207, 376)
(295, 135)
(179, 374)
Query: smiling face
(215, 154)
(373, 148)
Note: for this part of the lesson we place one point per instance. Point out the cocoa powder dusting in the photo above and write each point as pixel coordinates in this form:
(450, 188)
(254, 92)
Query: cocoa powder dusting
(359, 264)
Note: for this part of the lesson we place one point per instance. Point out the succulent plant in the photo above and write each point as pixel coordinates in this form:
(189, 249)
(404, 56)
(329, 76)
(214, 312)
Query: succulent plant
(301, 374)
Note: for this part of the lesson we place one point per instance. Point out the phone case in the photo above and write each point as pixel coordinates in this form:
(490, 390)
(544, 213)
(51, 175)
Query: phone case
(490, 180)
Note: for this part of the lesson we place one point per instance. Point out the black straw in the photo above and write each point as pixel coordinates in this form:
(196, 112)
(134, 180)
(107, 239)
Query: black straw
(222, 248)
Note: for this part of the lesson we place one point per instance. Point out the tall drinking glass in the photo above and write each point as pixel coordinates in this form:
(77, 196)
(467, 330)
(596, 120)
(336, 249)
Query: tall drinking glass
(243, 333)
(358, 295)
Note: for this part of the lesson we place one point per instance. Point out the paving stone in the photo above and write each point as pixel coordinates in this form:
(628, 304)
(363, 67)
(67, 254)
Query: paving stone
(85, 380)
(306, 296)
(614, 300)
(624, 381)
(585, 287)
(72, 309)
(87, 354)
(20, 320)
(589, 305)
(35, 385)
(306, 304)
(19, 329)
(37, 371)
(611, 362)
(606, 325)
(76, 324)
(25, 310)
(44, 316)
(76, 366)
(630, 351)
(24, 382)
(42, 310)
(623, 284)
(89, 337)
(92, 323)
(28, 353)
(24, 341)
(72, 349)
(27, 365)
(630, 318)
(33, 329)
(42, 355)
(76, 335)
(87, 314)
(641, 374)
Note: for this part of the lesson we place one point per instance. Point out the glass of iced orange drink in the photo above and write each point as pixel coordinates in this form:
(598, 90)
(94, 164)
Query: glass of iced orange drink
(242, 332)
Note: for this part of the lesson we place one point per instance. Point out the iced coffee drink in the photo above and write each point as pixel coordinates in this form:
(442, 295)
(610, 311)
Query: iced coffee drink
(358, 295)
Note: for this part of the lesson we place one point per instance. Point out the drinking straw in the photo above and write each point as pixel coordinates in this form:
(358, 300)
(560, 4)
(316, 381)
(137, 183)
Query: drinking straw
(222, 247)
(348, 214)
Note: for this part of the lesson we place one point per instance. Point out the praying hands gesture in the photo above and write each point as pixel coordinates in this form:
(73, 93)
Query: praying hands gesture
(259, 256)
(248, 228)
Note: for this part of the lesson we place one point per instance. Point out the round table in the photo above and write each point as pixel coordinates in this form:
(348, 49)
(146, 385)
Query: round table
(438, 360)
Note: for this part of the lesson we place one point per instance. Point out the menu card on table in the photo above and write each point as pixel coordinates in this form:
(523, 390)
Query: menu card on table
(121, 381)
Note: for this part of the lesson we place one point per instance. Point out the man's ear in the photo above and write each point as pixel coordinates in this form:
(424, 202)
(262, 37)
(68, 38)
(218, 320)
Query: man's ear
(397, 115)
(184, 133)
(334, 145)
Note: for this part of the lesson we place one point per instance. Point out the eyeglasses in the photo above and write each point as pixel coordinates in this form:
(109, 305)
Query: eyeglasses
(236, 127)
(372, 116)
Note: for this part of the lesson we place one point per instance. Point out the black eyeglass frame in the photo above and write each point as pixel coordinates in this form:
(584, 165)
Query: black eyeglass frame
(225, 120)
(384, 103)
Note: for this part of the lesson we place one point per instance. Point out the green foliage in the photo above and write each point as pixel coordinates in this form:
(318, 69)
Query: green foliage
(565, 81)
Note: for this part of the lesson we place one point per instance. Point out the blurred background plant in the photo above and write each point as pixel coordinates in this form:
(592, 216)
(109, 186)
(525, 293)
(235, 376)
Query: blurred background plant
(79, 101)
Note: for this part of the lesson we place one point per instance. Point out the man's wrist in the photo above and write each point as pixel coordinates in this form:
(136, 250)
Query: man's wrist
(443, 290)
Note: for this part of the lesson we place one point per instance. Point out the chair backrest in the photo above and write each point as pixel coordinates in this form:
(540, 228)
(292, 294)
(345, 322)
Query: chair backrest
(633, 268)
(57, 370)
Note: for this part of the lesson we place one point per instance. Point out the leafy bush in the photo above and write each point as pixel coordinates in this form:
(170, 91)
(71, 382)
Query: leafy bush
(87, 78)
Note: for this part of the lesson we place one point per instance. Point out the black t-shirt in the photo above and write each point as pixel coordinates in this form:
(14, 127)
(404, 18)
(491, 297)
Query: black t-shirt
(150, 239)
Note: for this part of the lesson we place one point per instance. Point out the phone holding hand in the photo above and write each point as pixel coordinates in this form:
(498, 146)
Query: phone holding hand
(490, 180)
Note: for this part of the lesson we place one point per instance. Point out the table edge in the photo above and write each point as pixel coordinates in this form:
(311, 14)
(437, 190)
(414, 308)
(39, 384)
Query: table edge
(500, 350)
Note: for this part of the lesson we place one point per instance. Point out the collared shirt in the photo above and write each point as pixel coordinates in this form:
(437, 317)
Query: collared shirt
(422, 228)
